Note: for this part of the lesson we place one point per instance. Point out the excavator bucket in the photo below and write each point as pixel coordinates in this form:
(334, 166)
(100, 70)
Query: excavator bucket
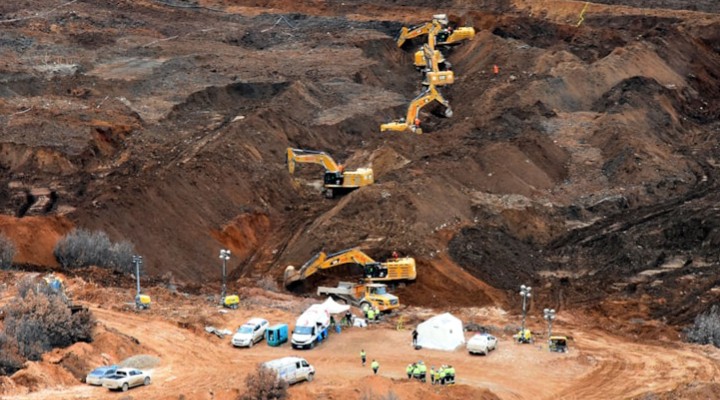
(459, 35)
(291, 275)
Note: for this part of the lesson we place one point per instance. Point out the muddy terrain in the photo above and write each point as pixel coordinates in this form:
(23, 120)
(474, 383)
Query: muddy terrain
(586, 167)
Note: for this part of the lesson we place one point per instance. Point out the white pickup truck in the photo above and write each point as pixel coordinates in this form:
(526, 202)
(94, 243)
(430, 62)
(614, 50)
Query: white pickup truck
(125, 378)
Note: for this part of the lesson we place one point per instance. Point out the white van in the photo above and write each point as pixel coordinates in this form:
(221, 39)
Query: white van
(311, 327)
(292, 369)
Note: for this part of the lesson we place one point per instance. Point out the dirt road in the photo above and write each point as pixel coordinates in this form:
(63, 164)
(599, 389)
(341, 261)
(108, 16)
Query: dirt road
(599, 365)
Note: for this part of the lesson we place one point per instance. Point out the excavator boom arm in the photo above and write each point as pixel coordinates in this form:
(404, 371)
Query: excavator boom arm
(325, 261)
(391, 270)
(427, 96)
(409, 33)
(295, 156)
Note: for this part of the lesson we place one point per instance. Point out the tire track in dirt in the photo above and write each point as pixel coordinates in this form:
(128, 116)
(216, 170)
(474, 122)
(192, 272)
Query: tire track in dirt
(627, 369)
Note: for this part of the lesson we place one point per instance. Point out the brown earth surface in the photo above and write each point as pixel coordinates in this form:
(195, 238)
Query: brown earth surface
(198, 365)
(587, 167)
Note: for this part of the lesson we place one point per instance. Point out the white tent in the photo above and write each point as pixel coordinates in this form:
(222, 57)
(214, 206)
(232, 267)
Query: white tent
(334, 307)
(441, 332)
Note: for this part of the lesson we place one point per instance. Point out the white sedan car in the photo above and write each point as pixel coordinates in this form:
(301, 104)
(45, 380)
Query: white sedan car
(482, 343)
(250, 332)
(125, 378)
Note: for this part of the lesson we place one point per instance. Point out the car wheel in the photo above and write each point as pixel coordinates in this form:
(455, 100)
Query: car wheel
(310, 377)
(125, 387)
(147, 380)
(252, 341)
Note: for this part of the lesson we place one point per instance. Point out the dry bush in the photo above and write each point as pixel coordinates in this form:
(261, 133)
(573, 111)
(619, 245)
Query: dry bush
(10, 359)
(264, 384)
(7, 252)
(40, 322)
(706, 329)
(81, 248)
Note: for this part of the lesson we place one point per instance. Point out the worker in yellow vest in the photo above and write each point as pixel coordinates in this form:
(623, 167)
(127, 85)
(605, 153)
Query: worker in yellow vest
(409, 370)
(450, 374)
(371, 314)
(362, 356)
(423, 372)
(375, 366)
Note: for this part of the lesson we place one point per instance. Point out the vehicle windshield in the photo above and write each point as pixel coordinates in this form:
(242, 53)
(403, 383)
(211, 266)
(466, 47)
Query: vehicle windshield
(245, 329)
(378, 290)
(303, 330)
(100, 371)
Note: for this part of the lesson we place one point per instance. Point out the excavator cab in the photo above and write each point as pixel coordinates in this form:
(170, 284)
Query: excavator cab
(558, 344)
(375, 270)
(333, 178)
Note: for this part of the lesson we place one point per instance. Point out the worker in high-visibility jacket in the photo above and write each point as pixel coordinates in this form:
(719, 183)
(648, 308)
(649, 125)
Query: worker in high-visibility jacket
(375, 366)
(442, 374)
(371, 314)
(450, 374)
(409, 370)
(416, 371)
(436, 376)
(423, 372)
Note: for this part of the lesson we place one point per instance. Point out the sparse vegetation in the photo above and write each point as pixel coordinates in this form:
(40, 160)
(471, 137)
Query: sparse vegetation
(82, 248)
(10, 359)
(7, 252)
(37, 321)
(264, 385)
(706, 329)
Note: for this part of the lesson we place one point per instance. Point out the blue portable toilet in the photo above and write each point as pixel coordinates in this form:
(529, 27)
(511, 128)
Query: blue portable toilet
(276, 335)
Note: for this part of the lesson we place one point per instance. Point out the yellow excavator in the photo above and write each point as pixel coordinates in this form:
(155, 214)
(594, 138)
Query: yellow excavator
(336, 179)
(437, 31)
(393, 269)
(412, 121)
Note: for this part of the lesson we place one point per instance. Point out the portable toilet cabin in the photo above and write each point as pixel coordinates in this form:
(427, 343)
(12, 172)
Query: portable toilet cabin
(276, 334)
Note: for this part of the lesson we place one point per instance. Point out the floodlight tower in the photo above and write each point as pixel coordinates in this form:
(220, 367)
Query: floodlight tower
(549, 314)
(137, 260)
(525, 293)
(142, 301)
(224, 256)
